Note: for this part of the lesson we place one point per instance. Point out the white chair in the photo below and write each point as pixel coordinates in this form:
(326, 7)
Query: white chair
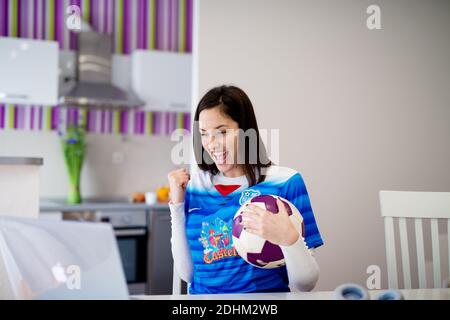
(417, 206)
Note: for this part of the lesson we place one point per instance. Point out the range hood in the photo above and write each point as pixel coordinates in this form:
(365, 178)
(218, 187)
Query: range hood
(93, 87)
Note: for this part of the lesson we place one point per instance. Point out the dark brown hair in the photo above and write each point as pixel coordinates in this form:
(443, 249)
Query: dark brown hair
(234, 103)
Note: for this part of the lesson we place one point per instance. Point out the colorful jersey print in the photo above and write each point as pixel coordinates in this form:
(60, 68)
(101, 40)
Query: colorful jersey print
(217, 266)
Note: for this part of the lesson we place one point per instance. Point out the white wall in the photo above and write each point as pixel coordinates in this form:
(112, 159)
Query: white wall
(359, 110)
(145, 166)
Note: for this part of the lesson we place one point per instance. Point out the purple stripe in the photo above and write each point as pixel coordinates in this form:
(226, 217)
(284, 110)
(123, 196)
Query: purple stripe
(102, 121)
(41, 115)
(68, 115)
(113, 26)
(59, 34)
(126, 26)
(187, 121)
(35, 20)
(110, 121)
(19, 18)
(137, 129)
(143, 114)
(112, 10)
(52, 118)
(18, 117)
(15, 116)
(189, 9)
(88, 121)
(32, 118)
(124, 122)
(91, 15)
(173, 122)
(2, 116)
(158, 23)
(25, 17)
(22, 117)
(170, 23)
(167, 121)
(159, 123)
(98, 18)
(146, 23)
(106, 14)
(94, 121)
(76, 114)
(144, 27)
(176, 19)
(58, 118)
(44, 18)
(140, 24)
(2, 18)
(73, 43)
(155, 123)
(6, 18)
(18, 112)
(136, 122)
(139, 119)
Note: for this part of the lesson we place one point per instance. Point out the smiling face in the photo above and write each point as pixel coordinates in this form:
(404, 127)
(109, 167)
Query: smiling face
(219, 138)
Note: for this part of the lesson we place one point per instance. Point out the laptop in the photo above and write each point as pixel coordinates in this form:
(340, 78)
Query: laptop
(46, 259)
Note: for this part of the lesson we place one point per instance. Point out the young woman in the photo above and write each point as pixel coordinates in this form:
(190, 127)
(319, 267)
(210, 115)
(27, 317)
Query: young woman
(203, 205)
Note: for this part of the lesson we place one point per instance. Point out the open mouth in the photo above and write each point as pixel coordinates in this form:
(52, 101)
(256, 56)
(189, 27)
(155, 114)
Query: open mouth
(219, 157)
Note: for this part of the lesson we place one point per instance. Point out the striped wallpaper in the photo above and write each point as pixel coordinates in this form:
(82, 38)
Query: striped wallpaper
(135, 24)
(137, 122)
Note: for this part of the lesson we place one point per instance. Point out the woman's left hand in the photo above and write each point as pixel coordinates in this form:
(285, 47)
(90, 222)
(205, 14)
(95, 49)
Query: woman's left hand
(276, 228)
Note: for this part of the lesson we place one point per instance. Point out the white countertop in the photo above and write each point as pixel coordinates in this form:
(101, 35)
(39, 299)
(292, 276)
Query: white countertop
(412, 294)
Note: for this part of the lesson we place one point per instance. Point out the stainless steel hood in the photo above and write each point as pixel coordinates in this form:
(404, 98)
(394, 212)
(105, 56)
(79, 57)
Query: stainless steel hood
(93, 87)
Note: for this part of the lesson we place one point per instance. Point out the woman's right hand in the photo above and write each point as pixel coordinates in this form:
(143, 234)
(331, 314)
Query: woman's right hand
(178, 180)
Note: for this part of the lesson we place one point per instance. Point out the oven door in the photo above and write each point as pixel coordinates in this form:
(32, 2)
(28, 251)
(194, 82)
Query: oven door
(132, 243)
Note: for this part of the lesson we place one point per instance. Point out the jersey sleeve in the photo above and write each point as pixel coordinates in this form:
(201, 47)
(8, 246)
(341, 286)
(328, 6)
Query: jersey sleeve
(294, 190)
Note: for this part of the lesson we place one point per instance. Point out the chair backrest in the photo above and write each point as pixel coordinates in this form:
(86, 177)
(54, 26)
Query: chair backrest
(418, 206)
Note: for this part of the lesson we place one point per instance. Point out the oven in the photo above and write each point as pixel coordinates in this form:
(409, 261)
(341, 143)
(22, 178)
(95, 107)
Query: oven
(131, 232)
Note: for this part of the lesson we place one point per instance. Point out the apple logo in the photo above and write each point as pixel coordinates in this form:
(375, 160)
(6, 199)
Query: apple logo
(59, 273)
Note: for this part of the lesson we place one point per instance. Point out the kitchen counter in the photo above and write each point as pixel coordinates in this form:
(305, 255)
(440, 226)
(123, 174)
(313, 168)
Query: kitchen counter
(21, 161)
(115, 204)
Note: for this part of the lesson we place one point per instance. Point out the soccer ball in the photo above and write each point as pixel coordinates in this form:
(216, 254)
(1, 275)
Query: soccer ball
(254, 249)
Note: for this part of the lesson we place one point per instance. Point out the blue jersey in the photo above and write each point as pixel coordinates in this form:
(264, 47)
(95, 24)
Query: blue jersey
(217, 268)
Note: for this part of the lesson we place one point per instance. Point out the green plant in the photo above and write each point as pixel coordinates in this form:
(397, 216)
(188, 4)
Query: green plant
(74, 149)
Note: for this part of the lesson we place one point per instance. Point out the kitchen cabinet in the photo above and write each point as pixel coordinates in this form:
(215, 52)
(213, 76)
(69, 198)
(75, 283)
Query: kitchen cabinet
(19, 186)
(31, 67)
